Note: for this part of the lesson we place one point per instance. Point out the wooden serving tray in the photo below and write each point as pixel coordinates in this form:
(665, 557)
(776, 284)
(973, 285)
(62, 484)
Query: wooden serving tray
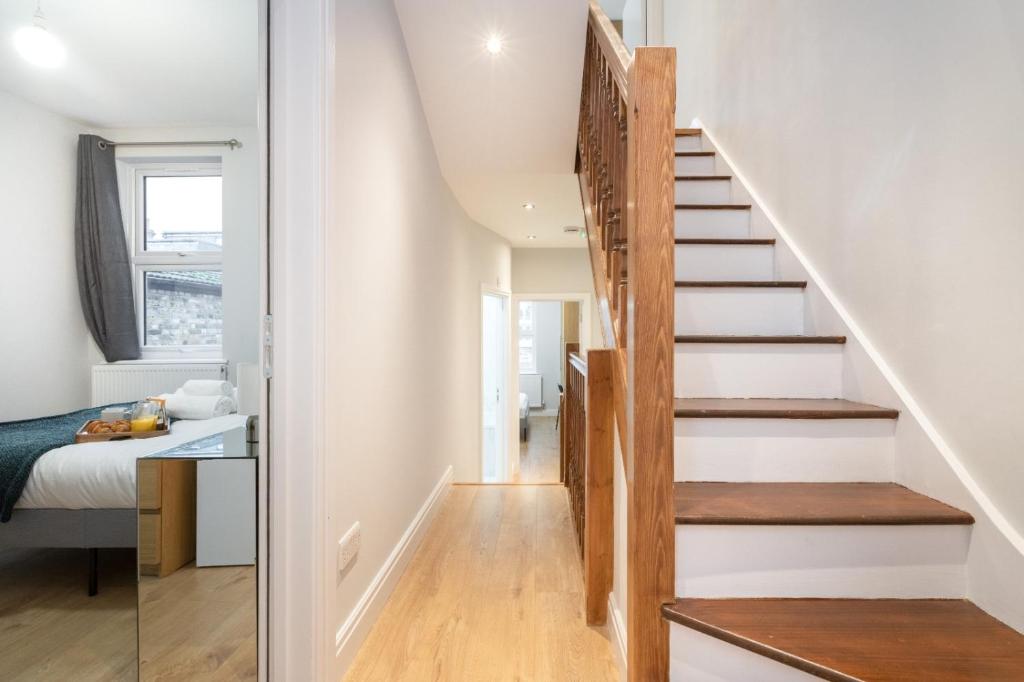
(85, 437)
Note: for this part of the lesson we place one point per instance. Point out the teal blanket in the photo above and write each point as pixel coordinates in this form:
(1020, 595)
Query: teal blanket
(23, 442)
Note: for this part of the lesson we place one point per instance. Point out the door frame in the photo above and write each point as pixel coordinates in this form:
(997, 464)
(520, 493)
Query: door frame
(509, 460)
(586, 301)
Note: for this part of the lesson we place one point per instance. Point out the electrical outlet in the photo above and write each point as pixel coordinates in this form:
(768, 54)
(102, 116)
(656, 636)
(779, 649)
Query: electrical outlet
(348, 546)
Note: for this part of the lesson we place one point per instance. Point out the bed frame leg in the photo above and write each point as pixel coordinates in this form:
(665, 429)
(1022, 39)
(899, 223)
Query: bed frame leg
(94, 582)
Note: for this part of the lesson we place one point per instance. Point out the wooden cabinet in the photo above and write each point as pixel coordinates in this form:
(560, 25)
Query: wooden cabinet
(167, 515)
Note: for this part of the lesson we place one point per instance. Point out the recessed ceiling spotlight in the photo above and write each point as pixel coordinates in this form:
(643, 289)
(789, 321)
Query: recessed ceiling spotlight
(37, 45)
(531, 236)
(528, 206)
(572, 229)
(494, 44)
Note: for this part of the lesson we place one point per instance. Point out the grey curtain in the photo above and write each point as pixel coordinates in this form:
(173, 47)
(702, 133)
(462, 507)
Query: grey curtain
(101, 253)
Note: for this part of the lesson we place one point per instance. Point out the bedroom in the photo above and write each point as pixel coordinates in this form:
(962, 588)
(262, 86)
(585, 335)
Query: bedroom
(132, 216)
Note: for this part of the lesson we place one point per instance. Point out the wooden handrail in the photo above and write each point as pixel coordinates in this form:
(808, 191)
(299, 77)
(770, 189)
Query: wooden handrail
(578, 362)
(625, 162)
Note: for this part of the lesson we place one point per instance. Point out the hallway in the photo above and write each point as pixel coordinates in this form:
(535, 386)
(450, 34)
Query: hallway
(538, 456)
(493, 593)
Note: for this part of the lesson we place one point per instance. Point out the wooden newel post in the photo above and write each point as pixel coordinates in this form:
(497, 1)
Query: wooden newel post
(650, 348)
(599, 537)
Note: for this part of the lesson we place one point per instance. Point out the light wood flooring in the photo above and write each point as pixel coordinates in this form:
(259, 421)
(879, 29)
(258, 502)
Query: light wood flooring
(197, 624)
(494, 592)
(50, 629)
(538, 456)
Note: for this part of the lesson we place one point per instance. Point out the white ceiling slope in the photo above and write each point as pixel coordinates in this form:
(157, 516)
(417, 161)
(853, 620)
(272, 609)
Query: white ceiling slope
(504, 126)
(140, 63)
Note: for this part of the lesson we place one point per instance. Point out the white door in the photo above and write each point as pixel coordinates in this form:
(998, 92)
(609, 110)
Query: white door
(494, 413)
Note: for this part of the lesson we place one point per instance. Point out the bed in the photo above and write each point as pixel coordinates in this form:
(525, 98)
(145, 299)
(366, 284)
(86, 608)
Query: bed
(83, 495)
(524, 416)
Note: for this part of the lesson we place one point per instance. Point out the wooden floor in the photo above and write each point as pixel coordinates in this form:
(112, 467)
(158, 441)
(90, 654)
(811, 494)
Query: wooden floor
(198, 624)
(538, 456)
(493, 593)
(50, 629)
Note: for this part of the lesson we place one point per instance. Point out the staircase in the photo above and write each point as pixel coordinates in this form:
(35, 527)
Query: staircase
(797, 557)
(766, 538)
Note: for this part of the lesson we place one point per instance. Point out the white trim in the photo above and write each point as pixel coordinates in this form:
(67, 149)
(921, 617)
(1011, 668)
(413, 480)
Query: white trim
(510, 467)
(617, 633)
(544, 413)
(300, 109)
(357, 626)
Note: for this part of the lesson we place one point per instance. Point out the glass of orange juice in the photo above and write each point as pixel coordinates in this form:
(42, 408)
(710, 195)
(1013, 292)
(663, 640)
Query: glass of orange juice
(144, 416)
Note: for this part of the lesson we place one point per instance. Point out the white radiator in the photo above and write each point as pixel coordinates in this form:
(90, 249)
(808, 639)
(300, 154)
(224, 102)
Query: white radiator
(121, 383)
(533, 386)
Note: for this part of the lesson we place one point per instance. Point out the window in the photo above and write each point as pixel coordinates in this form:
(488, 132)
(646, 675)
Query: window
(527, 338)
(177, 235)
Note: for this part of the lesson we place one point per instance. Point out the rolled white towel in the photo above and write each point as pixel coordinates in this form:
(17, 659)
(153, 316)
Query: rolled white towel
(208, 387)
(182, 406)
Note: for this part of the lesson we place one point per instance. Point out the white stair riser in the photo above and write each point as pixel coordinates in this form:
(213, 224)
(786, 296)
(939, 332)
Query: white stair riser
(730, 310)
(763, 370)
(715, 224)
(703, 191)
(726, 262)
(696, 657)
(780, 450)
(862, 562)
(688, 143)
(695, 165)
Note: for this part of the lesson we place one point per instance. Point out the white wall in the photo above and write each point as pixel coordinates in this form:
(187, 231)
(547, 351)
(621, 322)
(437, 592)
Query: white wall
(44, 343)
(548, 337)
(241, 178)
(404, 269)
(885, 138)
(556, 271)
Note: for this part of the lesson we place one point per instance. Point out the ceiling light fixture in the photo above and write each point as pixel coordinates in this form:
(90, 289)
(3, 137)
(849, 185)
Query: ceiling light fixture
(528, 206)
(37, 45)
(531, 236)
(494, 44)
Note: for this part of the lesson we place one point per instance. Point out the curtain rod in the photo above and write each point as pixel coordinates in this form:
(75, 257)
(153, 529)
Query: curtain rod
(233, 143)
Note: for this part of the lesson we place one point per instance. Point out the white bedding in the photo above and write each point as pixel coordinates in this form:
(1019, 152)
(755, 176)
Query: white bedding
(102, 475)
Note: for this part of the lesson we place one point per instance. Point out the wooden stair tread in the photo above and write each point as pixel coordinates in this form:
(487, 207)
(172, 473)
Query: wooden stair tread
(710, 241)
(809, 504)
(699, 178)
(740, 284)
(687, 132)
(882, 640)
(713, 207)
(726, 338)
(779, 408)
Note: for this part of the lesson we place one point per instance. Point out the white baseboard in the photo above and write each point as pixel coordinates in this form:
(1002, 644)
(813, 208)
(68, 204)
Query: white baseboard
(357, 626)
(617, 631)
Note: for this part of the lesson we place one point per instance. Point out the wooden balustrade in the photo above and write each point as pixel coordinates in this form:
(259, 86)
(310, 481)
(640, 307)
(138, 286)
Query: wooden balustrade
(588, 452)
(574, 439)
(625, 162)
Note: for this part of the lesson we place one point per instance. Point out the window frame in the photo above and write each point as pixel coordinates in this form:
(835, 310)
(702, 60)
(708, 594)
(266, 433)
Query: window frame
(143, 261)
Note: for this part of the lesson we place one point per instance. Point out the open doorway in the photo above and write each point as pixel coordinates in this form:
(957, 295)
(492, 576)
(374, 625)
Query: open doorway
(544, 327)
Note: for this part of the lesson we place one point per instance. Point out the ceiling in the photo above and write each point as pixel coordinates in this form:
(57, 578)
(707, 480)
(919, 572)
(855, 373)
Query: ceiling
(140, 63)
(504, 126)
